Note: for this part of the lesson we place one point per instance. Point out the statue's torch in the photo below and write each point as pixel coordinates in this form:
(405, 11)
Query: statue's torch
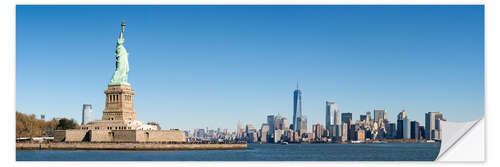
(123, 25)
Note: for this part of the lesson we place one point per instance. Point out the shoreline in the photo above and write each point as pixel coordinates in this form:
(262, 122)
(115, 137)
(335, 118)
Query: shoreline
(361, 142)
(127, 146)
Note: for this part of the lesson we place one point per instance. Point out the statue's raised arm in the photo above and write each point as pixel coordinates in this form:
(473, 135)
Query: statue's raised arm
(121, 39)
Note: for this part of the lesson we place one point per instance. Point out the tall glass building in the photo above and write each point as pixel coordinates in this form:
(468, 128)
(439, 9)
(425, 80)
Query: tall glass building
(271, 122)
(401, 116)
(432, 126)
(346, 118)
(332, 118)
(406, 128)
(297, 106)
(331, 109)
(86, 113)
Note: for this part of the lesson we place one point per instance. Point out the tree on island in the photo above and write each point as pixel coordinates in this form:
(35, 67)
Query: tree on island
(65, 123)
(30, 126)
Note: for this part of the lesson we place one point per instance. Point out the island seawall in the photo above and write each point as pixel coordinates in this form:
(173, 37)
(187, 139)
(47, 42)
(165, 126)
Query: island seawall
(127, 146)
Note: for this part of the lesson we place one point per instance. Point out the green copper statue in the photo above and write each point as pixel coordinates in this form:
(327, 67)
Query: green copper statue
(120, 76)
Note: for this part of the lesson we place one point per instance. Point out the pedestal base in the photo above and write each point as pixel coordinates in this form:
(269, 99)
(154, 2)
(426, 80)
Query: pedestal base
(119, 103)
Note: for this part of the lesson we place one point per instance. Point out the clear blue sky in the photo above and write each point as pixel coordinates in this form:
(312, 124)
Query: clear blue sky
(212, 66)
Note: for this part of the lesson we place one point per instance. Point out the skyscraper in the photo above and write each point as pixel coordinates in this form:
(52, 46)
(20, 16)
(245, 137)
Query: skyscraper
(297, 106)
(318, 131)
(368, 116)
(415, 130)
(270, 122)
(277, 135)
(432, 125)
(332, 123)
(380, 114)
(336, 120)
(250, 129)
(277, 121)
(284, 125)
(391, 130)
(264, 130)
(239, 130)
(86, 113)
(336, 117)
(302, 125)
(406, 128)
(343, 136)
(399, 129)
(347, 119)
(401, 117)
(422, 131)
(331, 107)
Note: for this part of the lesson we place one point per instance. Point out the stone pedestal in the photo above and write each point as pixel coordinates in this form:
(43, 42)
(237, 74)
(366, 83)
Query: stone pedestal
(119, 113)
(119, 103)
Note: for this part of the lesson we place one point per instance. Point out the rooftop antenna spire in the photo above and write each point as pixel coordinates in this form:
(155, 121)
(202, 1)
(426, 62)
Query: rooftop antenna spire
(297, 84)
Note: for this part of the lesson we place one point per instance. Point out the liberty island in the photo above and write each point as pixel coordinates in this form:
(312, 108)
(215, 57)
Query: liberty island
(119, 128)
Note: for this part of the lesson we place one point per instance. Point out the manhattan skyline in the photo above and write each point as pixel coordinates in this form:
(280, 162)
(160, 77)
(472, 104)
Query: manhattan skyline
(226, 64)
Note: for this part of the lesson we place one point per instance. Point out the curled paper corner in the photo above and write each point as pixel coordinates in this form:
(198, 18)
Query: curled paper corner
(452, 133)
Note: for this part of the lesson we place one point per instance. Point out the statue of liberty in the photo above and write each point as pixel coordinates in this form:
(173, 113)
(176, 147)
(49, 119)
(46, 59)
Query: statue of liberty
(120, 77)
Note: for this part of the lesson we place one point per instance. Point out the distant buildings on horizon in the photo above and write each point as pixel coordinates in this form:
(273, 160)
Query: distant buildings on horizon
(339, 127)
